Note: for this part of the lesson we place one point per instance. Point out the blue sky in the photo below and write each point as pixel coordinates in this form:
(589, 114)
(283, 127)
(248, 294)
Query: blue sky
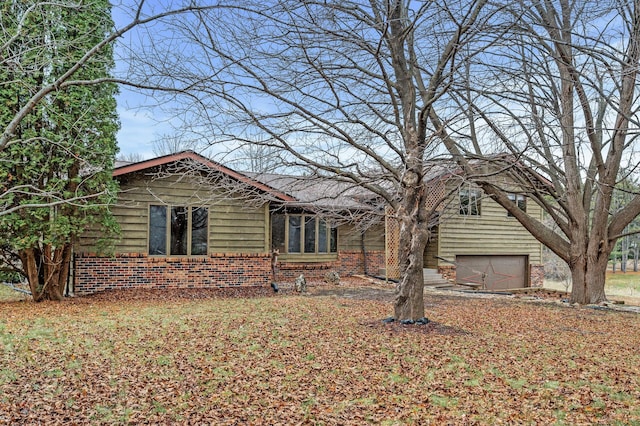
(138, 127)
(140, 124)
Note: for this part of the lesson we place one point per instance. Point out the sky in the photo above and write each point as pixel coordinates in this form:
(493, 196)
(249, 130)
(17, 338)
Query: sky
(140, 124)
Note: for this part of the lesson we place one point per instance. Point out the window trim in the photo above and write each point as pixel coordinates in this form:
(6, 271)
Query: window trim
(331, 235)
(168, 214)
(517, 198)
(465, 207)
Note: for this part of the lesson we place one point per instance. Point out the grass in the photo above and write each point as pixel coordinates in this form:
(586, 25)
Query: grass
(7, 294)
(316, 360)
(627, 281)
(626, 285)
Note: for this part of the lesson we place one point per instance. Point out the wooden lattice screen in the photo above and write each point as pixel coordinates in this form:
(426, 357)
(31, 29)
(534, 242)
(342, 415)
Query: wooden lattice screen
(392, 239)
(435, 202)
(435, 198)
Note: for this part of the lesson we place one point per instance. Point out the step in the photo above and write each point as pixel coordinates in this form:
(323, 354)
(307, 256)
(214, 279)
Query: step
(434, 279)
(431, 277)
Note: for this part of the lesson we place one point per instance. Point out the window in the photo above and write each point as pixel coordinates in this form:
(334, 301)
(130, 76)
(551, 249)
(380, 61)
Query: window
(178, 230)
(302, 234)
(520, 201)
(470, 202)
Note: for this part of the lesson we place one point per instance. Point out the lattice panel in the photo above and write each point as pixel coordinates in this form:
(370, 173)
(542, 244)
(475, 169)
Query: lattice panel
(392, 234)
(435, 197)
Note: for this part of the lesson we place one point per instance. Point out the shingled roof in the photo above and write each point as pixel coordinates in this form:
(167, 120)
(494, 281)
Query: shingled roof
(319, 191)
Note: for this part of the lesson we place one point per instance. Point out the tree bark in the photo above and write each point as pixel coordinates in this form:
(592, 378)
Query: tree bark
(47, 271)
(588, 273)
(414, 234)
(409, 301)
(30, 266)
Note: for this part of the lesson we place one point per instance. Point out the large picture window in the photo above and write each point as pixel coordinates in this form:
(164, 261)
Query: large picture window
(178, 230)
(299, 233)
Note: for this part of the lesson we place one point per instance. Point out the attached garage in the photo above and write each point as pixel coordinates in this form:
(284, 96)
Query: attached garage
(496, 272)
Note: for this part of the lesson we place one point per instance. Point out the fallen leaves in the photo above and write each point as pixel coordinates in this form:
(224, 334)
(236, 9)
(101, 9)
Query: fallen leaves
(289, 359)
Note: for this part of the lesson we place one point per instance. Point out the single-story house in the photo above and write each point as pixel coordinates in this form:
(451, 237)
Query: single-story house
(189, 222)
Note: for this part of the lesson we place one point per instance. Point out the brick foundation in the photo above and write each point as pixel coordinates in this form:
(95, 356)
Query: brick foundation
(537, 275)
(94, 273)
(448, 272)
(348, 263)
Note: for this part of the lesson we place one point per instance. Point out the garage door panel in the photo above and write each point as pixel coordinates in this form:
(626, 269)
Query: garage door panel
(497, 272)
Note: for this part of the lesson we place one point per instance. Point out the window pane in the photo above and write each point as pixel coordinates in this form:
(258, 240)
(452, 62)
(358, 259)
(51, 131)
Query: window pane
(469, 202)
(179, 228)
(294, 234)
(309, 234)
(322, 237)
(199, 222)
(475, 203)
(464, 201)
(157, 230)
(277, 232)
(519, 199)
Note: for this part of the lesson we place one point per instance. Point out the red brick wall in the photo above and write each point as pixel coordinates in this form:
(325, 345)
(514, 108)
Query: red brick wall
(537, 275)
(93, 273)
(448, 272)
(348, 263)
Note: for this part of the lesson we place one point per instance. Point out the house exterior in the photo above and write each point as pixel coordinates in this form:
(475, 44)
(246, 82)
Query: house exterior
(189, 222)
(486, 246)
(474, 241)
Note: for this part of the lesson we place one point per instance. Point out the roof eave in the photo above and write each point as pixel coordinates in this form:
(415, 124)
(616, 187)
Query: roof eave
(184, 155)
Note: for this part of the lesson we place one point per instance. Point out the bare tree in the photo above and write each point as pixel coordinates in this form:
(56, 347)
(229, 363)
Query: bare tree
(172, 143)
(132, 157)
(343, 90)
(558, 94)
(25, 63)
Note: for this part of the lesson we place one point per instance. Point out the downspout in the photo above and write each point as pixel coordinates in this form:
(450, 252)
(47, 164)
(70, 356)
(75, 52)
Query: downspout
(364, 253)
(69, 289)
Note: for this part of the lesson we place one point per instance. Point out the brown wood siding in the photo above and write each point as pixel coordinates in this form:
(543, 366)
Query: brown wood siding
(349, 238)
(431, 251)
(233, 226)
(492, 232)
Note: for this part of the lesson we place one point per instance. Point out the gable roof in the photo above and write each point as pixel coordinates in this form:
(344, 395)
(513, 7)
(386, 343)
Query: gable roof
(203, 161)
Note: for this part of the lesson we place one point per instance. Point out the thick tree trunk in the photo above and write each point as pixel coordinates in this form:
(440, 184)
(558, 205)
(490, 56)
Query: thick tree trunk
(409, 302)
(30, 266)
(588, 279)
(414, 233)
(47, 271)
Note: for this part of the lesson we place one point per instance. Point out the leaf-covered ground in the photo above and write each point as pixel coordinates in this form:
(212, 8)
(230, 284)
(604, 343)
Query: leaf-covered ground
(290, 359)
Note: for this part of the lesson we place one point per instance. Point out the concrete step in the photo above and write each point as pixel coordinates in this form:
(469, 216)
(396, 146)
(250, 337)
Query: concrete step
(441, 286)
(433, 279)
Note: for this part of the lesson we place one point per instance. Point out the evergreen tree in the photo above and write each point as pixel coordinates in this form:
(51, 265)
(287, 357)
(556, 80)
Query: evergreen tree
(56, 171)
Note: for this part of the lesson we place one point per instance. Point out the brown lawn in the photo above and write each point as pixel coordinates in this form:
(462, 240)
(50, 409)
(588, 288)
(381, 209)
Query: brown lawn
(132, 358)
